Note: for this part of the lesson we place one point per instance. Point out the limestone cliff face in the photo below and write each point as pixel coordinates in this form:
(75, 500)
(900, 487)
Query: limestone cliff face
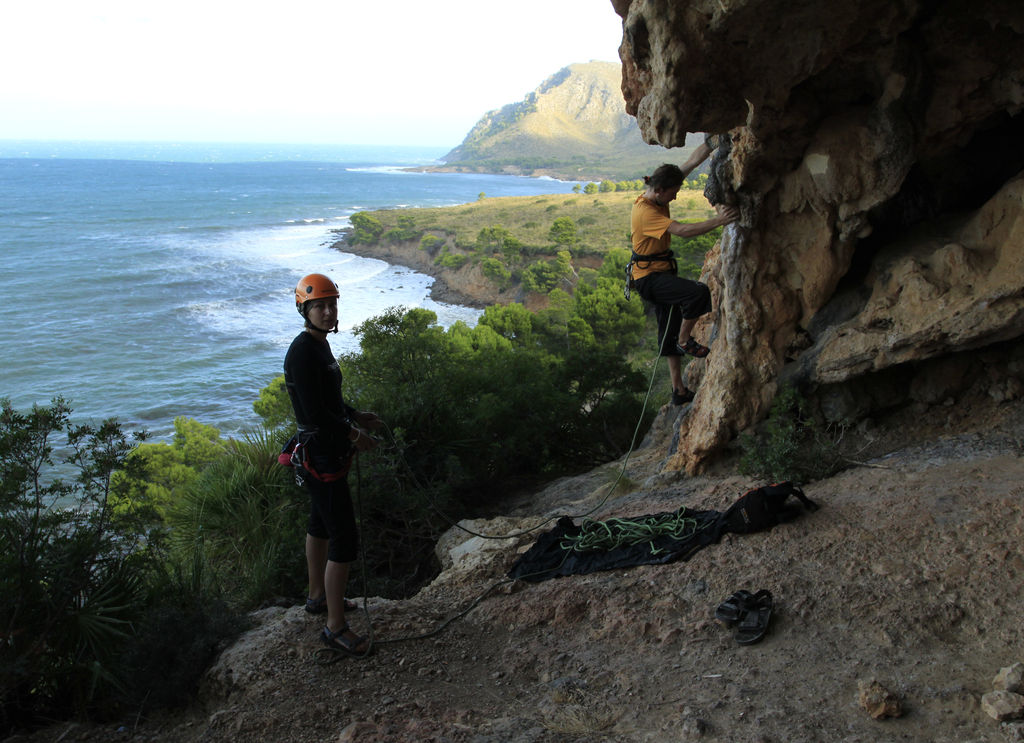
(875, 151)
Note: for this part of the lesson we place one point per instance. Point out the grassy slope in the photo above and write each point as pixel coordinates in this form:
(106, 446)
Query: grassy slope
(602, 218)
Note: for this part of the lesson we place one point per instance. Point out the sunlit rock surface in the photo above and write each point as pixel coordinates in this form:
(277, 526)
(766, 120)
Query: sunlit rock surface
(874, 149)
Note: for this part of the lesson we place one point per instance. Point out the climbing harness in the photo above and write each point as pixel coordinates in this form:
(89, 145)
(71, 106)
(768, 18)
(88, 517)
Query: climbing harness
(636, 259)
(295, 454)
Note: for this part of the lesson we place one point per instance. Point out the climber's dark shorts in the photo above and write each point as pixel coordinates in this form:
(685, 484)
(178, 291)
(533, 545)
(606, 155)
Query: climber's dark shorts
(332, 517)
(674, 299)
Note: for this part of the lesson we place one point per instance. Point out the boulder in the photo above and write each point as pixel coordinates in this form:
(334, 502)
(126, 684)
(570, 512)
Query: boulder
(1010, 678)
(1003, 705)
(878, 701)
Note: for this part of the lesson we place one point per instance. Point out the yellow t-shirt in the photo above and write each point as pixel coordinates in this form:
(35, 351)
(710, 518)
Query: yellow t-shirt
(649, 231)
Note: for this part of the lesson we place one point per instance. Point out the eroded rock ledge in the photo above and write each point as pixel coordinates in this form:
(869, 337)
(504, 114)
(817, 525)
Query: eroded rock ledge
(874, 151)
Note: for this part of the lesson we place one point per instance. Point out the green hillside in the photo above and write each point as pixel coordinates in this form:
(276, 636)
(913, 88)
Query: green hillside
(505, 249)
(601, 219)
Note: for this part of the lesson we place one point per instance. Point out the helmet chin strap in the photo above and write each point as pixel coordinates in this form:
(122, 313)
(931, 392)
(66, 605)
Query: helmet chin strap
(309, 324)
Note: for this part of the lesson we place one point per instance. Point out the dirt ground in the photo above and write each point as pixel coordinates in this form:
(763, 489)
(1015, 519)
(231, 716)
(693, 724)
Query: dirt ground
(909, 575)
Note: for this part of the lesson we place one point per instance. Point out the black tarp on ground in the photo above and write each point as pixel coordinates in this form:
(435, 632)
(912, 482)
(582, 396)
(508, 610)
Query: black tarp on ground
(547, 558)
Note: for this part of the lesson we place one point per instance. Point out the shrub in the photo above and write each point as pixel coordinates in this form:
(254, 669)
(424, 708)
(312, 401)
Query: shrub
(493, 239)
(451, 260)
(95, 614)
(244, 518)
(183, 628)
(495, 270)
(70, 581)
(365, 229)
(273, 405)
(563, 231)
(541, 277)
(404, 232)
(791, 444)
(431, 243)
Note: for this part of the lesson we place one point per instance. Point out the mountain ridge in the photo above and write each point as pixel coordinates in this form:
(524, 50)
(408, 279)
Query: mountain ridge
(573, 126)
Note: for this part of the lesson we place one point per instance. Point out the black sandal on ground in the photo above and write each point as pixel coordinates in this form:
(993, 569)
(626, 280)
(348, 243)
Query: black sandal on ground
(754, 625)
(734, 608)
(693, 348)
(338, 641)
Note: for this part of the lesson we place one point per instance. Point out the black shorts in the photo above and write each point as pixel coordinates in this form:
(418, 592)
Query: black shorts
(332, 517)
(675, 299)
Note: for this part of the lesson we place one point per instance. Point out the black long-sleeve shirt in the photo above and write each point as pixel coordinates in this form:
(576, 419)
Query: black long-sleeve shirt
(313, 379)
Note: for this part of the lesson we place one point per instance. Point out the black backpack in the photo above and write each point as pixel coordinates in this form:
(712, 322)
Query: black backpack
(762, 508)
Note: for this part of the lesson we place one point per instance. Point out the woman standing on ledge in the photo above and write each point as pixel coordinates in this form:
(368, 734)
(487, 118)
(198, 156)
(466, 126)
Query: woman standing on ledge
(678, 302)
(330, 432)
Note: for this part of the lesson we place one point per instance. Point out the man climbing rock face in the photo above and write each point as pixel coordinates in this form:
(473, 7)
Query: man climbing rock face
(678, 302)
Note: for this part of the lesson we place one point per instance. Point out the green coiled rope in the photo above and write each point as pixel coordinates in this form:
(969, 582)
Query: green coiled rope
(608, 535)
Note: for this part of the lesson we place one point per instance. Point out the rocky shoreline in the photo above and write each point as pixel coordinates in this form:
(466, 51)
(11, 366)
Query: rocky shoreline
(410, 256)
(466, 286)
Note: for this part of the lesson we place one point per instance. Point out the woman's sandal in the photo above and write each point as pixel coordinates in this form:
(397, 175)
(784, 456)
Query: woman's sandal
(338, 641)
(319, 606)
(734, 608)
(693, 348)
(754, 625)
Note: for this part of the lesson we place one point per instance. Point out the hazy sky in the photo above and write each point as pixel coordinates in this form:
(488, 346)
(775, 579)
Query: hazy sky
(318, 71)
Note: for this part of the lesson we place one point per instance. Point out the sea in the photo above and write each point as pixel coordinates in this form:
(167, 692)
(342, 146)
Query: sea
(147, 281)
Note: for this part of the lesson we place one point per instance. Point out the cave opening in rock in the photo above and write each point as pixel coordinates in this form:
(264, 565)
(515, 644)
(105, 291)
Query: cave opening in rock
(950, 183)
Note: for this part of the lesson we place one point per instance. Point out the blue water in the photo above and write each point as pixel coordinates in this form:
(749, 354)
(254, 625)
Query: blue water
(149, 281)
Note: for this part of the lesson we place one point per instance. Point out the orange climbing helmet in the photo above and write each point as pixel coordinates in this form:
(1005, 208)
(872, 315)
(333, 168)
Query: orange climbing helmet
(313, 286)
